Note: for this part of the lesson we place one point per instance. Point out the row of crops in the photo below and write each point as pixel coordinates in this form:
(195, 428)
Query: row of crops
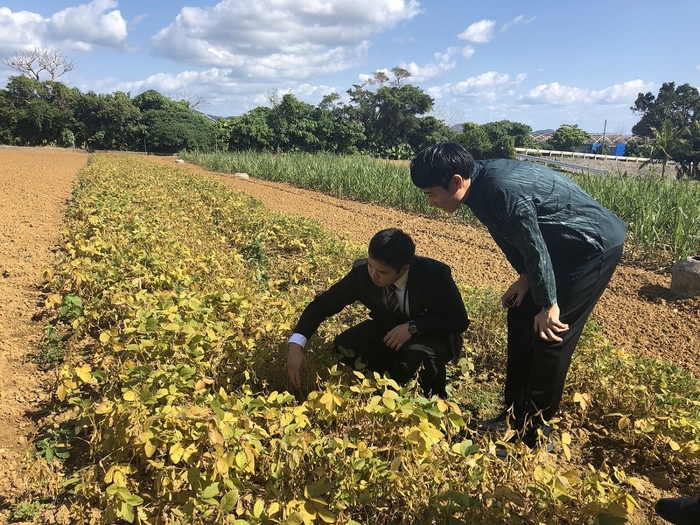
(662, 214)
(174, 300)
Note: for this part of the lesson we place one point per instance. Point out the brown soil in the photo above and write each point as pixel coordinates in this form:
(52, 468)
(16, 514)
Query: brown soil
(35, 188)
(637, 312)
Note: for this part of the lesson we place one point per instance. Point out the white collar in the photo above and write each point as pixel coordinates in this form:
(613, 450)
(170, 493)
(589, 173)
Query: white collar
(401, 282)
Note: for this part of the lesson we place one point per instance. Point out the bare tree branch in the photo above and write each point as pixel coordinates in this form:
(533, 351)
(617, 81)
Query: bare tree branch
(37, 60)
(196, 102)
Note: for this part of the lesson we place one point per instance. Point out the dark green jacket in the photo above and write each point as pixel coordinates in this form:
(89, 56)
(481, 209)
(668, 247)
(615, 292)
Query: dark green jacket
(546, 225)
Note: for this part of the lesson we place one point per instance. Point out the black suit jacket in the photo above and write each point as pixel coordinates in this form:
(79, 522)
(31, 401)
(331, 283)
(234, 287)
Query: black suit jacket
(435, 304)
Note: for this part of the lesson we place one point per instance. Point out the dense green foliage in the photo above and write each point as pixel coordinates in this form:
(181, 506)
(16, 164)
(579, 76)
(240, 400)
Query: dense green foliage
(663, 216)
(172, 126)
(567, 137)
(383, 118)
(35, 113)
(670, 122)
(177, 295)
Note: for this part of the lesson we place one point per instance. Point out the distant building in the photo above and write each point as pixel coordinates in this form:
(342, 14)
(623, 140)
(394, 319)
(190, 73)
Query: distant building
(615, 142)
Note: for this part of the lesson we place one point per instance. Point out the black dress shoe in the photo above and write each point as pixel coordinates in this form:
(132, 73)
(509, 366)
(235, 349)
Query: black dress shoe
(500, 424)
(539, 433)
(679, 511)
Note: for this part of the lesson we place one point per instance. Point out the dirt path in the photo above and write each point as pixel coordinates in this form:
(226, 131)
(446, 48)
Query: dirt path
(35, 187)
(637, 312)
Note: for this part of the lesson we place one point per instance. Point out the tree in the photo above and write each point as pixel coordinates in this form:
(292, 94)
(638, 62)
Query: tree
(250, 131)
(430, 131)
(195, 102)
(567, 137)
(293, 125)
(667, 143)
(475, 139)
(335, 132)
(37, 60)
(520, 133)
(36, 113)
(390, 114)
(679, 105)
(108, 122)
(170, 126)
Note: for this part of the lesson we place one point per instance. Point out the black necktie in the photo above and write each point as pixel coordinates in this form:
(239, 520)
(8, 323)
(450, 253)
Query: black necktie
(391, 299)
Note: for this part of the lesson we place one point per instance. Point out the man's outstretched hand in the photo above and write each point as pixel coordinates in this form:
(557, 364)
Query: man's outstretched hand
(295, 362)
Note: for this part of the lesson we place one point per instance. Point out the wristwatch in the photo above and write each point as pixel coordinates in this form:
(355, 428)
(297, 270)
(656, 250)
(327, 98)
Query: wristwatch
(412, 328)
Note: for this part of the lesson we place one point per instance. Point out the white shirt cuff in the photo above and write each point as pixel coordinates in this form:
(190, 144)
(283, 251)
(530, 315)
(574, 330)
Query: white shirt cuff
(298, 339)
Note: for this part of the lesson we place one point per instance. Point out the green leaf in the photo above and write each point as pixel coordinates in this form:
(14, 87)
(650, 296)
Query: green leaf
(228, 502)
(211, 491)
(126, 511)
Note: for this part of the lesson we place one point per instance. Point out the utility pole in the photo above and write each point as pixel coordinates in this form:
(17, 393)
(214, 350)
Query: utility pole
(605, 126)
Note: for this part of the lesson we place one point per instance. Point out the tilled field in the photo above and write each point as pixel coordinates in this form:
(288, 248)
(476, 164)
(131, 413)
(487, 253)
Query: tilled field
(637, 312)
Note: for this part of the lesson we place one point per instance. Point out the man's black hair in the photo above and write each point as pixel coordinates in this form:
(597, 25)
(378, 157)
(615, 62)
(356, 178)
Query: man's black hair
(436, 164)
(392, 247)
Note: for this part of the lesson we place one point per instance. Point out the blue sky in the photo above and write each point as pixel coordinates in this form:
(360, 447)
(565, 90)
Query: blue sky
(543, 63)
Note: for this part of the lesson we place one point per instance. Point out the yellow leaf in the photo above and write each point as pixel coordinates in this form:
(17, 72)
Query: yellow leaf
(567, 451)
(566, 438)
(105, 337)
(149, 448)
(273, 509)
(104, 407)
(84, 372)
(61, 392)
(429, 430)
(53, 300)
(176, 453)
(130, 395)
(674, 446)
(581, 399)
(637, 483)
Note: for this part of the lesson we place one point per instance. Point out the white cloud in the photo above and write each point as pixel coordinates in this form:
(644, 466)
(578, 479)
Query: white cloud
(81, 27)
(555, 94)
(487, 87)
(86, 25)
(217, 86)
(443, 62)
(516, 21)
(279, 38)
(19, 30)
(479, 32)
(467, 51)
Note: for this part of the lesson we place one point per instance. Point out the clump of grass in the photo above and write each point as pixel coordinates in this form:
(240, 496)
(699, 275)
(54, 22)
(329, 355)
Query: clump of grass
(50, 351)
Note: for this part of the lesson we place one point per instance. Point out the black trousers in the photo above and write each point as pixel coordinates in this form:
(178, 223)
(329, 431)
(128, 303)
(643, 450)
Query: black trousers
(365, 342)
(536, 369)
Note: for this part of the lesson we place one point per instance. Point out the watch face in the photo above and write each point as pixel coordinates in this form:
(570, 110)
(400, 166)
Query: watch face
(412, 328)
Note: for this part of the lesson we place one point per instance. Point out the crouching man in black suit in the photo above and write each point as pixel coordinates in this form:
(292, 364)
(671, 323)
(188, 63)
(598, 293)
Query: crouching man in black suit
(416, 315)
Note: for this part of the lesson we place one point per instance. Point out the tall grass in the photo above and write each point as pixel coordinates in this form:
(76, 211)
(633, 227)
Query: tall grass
(663, 215)
(356, 177)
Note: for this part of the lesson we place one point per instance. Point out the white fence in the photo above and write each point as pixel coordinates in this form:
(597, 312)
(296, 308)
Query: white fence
(573, 154)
